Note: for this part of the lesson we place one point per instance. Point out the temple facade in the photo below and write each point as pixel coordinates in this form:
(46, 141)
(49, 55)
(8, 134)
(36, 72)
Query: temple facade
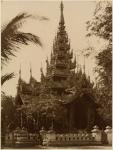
(72, 89)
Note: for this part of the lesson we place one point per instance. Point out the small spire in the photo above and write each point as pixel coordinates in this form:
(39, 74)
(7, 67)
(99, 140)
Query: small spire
(75, 61)
(89, 78)
(80, 69)
(61, 6)
(62, 16)
(69, 45)
(51, 54)
(88, 74)
(84, 65)
(47, 62)
(42, 74)
(41, 70)
(30, 70)
(20, 72)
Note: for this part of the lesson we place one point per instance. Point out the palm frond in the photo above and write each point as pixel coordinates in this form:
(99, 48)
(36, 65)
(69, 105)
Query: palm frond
(11, 37)
(15, 23)
(41, 18)
(7, 77)
(12, 44)
(24, 38)
(6, 34)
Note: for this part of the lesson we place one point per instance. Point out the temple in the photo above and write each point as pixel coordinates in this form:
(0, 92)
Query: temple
(72, 90)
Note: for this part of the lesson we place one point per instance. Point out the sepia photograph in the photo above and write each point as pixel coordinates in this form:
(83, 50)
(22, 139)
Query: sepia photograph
(56, 74)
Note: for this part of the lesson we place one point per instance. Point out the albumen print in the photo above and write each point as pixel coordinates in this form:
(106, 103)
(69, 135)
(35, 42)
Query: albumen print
(56, 74)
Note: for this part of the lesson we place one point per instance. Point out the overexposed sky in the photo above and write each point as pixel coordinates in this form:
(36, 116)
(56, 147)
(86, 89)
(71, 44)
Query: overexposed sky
(76, 13)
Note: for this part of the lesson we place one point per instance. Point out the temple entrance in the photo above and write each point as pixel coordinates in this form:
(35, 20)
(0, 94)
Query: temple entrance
(81, 114)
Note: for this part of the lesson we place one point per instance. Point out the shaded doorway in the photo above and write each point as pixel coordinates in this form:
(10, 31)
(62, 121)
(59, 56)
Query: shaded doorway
(81, 114)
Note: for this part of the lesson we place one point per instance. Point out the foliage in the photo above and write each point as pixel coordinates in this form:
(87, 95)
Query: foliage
(11, 38)
(48, 110)
(101, 26)
(8, 111)
(6, 77)
(104, 62)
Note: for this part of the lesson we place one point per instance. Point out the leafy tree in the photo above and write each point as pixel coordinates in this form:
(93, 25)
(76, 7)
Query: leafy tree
(48, 111)
(101, 26)
(8, 111)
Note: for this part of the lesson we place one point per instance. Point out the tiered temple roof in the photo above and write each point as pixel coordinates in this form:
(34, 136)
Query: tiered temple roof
(32, 88)
(60, 65)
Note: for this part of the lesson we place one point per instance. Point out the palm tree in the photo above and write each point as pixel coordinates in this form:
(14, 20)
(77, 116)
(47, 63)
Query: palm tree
(11, 37)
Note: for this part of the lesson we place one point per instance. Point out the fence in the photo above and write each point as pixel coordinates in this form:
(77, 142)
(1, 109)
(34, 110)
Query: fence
(50, 138)
(95, 137)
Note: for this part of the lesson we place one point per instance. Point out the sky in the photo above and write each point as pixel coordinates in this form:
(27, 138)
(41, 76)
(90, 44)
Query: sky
(76, 14)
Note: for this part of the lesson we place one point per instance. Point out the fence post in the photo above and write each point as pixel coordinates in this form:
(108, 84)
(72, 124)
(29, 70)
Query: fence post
(108, 132)
(97, 134)
(43, 134)
(51, 135)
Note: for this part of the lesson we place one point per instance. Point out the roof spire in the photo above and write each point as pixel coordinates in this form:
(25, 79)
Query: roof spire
(62, 16)
(41, 70)
(84, 65)
(61, 6)
(77, 63)
(47, 62)
(30, 70)
(20, 72)
(42, 74)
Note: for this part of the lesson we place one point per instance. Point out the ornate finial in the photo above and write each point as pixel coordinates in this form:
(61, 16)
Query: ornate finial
(47, 62)
(84, 65)
(42, 74)
(89, 78)
(20, 72)
(30, 70)
(41, 70)
(62, 16)
(61, 6)
(51, 54)
(75, 61)
(88, 74)
(80, 68)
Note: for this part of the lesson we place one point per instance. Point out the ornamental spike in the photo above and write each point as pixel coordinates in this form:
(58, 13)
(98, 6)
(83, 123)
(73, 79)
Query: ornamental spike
(30, 70)
(20, 72)
(62, 16)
